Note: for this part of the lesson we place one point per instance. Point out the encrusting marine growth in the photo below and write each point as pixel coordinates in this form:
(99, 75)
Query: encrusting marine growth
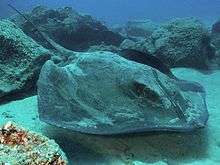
(18, 146)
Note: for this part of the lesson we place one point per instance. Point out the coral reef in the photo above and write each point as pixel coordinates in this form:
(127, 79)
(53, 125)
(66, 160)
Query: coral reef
(21, 59)
(68, 28)
(19, 146)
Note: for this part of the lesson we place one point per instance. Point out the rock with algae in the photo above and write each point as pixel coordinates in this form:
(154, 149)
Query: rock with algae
(19, 146)
(103, 93)
(21, 59)
(183, 43)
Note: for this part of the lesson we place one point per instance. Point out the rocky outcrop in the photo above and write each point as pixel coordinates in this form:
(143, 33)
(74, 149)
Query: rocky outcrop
(183, 43)
(103, 93)
(179, 43)
(140, 28)
(215, 36)
(21, 59)
(68, 28)
(19, 146)
(103, 47)
(144, 45)
(215, 33)
(136, 29)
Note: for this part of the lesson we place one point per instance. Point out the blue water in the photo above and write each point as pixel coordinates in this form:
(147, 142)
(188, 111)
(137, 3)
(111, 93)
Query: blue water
(119, 11)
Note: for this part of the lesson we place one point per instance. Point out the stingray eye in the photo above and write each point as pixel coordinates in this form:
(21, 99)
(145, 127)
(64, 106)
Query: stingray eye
(142, 91)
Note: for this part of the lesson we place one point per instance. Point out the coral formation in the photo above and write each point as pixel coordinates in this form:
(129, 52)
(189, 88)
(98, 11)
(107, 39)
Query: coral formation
(19, 146)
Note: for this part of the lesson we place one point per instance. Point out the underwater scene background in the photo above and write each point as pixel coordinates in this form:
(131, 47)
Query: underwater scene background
(117, 82)
(115, 12)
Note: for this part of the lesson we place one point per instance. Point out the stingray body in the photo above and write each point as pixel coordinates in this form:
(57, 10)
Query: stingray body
(146, 59)
(156, 63)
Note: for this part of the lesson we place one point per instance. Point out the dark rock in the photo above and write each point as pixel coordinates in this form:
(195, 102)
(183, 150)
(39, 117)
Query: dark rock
(103, 47)
(144, 45)
(68, 28)
(216, 27)
(21, 59)
(140, 28)
(183, 43)
(216, 35)
(178, 43)
(128, 44)
(103, 93)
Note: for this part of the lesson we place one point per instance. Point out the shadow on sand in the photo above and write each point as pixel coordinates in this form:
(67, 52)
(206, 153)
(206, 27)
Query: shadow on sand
(148, 147)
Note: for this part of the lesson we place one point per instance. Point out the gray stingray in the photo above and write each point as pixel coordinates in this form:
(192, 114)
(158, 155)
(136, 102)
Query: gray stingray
(139, 57)
(154, 62)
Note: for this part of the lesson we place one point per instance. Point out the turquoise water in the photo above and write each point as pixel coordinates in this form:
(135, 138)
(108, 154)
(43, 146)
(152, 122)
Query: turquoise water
(115, 12)
(116, 82)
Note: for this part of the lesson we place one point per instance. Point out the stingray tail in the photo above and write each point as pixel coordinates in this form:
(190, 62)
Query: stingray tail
(35, 27)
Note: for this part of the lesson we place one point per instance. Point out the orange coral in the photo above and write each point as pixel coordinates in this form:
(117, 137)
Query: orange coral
(25, 141)
(10, 135)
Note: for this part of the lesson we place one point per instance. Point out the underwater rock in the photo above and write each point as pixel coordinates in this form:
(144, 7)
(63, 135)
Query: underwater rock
(103, 47)
(68, 28)
(215, 34)
(104, 93)
(144, 45)
(136, 30)
(21, 59)
(19, 146)
(128, 44)
(183, 43)
(140, 28)
(216, 27)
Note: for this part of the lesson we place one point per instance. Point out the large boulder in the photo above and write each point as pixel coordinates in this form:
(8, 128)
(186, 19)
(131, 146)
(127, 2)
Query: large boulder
(21, 59)
(68, 28)
(103, 93)
(215, 33)
(179, 43)
(183, 43)
(144, 45)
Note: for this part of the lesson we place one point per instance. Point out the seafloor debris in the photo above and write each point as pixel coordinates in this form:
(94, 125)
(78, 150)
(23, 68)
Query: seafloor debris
(19, 146)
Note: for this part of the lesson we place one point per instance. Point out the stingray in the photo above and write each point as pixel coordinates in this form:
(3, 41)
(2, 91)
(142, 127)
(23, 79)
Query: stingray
(154, 62)
(129, 54)
(146, 59)
(140, 57)
(49, 41)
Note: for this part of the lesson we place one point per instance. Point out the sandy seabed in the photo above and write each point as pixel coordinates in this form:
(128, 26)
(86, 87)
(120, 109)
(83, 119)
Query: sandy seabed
(199, 147)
